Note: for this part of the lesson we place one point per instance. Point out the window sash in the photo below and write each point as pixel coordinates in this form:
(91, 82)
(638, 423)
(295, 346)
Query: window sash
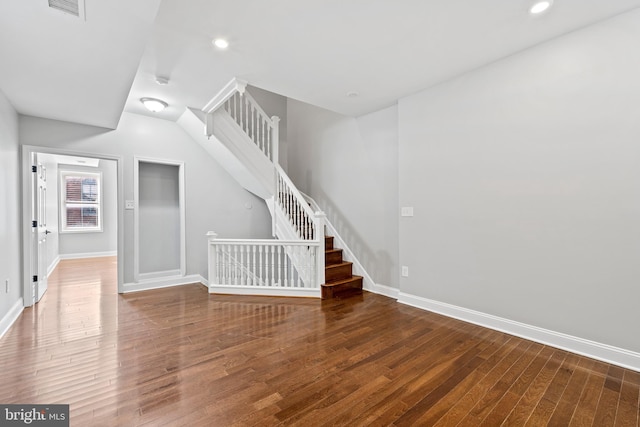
(80, 201)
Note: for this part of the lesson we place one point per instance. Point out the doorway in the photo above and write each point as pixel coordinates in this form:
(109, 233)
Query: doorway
(71, 211)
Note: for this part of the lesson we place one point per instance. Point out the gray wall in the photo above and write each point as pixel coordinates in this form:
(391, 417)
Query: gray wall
(10, 208)
(525, 180)
(350, 167)
(214, 201)
(77, 244)
(159, 217)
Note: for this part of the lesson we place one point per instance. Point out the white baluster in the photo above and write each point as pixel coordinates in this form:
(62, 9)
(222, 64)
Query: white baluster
(260, 261)
(273, 266)
(213, 258)
(253, 268)
(275, 142)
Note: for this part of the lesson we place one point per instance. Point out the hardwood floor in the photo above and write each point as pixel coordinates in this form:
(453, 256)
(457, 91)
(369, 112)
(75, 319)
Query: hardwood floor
(178, 356)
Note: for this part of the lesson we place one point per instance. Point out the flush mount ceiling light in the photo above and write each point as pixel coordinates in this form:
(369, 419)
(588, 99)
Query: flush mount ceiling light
(154, 105)
(221, 43)
(540, 7)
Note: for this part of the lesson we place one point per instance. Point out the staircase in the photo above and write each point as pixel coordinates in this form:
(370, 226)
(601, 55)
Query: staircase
(339, 278)
(244, 139)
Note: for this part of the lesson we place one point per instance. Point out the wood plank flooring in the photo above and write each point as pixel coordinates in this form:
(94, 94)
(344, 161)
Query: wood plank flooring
(180, 357)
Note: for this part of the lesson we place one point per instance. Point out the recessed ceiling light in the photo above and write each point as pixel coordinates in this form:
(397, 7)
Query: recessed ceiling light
(154, 105)
(352, 94)
(221, 43)
(539, 7)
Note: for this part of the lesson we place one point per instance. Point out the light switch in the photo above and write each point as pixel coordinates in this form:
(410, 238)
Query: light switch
(406, 211)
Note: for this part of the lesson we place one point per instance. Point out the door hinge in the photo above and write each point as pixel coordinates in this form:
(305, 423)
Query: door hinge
(35, 278)
(34, 224)
(34, 169)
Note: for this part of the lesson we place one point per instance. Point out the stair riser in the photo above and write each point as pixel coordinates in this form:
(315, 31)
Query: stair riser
(333, 258)
(337, 272)
(328, 243)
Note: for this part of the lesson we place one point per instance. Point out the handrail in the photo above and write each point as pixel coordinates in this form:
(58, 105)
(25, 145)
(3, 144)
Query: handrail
(294, 190)
(267, 242)
(235, 85)
(300, 215)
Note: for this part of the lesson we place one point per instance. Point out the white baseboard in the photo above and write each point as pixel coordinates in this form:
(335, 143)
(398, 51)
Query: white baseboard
(162, 282)
(385, 290)
(274, 291)
(53, 265)
(88, 255)
(143, 277)
(606, 353)
(10, 318)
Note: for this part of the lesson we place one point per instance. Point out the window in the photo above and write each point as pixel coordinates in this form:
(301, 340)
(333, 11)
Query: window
(80, 201)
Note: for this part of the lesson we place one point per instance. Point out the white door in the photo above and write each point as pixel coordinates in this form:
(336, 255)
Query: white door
(39, 230)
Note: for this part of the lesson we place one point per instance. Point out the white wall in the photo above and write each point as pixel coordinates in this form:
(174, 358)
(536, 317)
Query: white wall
(525, 180)
(214, 201)
(106, 241)
(10, 211)
(349, 166)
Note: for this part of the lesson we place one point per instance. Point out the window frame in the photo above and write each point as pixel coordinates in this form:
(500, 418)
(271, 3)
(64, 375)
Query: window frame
(64, 228)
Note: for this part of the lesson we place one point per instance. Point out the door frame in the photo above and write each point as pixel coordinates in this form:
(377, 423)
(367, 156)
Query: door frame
(28, 249)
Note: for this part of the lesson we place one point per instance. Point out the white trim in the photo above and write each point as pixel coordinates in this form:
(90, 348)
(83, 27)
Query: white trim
(88, 255)
(53, 265)
(165, 282)
(606, 353)
(276, 291)
(9, 319)
(159, 274)
(385, 290)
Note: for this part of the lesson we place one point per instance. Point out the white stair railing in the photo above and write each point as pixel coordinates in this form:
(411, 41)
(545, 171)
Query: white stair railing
(301, 217)
(269, 267)
(262, 129)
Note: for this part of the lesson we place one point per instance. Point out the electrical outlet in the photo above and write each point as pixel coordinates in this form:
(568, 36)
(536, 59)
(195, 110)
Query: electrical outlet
(405, 271)
(129, 204)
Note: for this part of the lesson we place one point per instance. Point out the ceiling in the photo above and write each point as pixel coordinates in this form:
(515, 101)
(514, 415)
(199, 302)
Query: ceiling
(316, 51)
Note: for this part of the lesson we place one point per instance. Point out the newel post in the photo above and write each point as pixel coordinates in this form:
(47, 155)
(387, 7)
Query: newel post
(275, 123)
(320, 220)
(212, 264)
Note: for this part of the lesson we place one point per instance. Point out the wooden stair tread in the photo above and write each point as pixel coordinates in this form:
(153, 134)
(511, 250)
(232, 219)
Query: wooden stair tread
(340, 264)
(339, 282)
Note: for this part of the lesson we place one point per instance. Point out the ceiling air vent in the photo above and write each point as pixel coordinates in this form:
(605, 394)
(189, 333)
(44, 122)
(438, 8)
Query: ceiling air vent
(72, 7)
